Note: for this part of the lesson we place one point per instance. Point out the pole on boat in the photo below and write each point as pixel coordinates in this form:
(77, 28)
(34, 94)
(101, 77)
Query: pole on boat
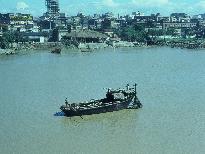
(135, 88)
(66, 101)
(136, 100)
(135, 93)
(127, 86)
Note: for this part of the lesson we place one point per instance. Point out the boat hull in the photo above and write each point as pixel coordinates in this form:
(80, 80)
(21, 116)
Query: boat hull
(56, 50)
(103, 109)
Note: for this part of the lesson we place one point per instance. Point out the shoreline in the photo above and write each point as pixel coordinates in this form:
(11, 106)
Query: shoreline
(89, 47)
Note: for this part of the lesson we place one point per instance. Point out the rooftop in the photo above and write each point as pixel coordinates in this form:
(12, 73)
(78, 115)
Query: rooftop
(86, 34)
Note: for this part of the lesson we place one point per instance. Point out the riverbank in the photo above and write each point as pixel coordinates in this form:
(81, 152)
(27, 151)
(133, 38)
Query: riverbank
(188, 44)
(7, 52)
(17, 48)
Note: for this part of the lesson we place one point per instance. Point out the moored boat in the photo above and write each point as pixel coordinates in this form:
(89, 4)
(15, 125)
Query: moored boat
(56, 50)
(115, 100)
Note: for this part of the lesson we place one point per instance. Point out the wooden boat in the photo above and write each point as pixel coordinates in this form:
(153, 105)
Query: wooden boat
(85, 50)
(56, 50)
(115, 100)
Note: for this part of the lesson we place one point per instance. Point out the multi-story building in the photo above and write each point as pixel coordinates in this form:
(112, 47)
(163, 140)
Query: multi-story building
(108, 15)
(162, 19)
(4, 22)
(5, 18)
(180, 17)
(61, 20)
(95, 23)
(20, 22)
(52, 7)
(52, 18)
(179, 25)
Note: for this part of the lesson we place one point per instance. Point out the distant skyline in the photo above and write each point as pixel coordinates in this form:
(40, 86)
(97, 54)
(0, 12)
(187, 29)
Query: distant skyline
(72, 7)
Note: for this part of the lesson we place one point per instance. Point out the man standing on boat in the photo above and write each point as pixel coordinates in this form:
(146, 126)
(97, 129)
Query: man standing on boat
(66, 102)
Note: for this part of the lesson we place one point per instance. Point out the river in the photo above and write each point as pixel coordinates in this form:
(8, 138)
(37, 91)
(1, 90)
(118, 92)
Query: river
(171, 87)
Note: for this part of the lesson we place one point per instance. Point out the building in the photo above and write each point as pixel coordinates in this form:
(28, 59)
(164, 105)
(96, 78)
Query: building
(35, 37)
(4, 23)
(21, 22)
(145, 19)
(134, 14)
(95, 23)
(52, 7)
(121, 22)
(179, 25)
(61, 20)
(180, 17)
(163, 19)
(5, 18)
(18, 21)
(86, 36)
(108, 15)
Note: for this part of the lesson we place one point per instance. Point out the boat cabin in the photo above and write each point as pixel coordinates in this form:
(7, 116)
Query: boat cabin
(116, 95)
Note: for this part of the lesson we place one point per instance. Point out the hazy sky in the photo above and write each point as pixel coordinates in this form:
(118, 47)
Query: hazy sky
(72, 7)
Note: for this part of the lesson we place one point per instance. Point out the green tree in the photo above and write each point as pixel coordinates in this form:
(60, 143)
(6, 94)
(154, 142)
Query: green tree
(55, 35)
(3, 43)
(133, 33)
(171, 31)
(155, 32)
(10, 37)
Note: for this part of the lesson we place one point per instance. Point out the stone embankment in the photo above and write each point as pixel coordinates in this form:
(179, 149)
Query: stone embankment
(91, 46)
(114, 44)
(16, 48)
(197, 44)
(118, 44)
(38, 46)
(87, 47)
(7, 52)
(84, 47)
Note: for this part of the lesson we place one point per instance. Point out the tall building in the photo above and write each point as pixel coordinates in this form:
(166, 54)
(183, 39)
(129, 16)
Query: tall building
(52, 7)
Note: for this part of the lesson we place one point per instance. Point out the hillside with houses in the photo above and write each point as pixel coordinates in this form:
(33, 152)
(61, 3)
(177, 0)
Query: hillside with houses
(55, 26)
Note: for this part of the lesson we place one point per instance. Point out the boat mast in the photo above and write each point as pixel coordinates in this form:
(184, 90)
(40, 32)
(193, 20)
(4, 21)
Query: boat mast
(135, 100)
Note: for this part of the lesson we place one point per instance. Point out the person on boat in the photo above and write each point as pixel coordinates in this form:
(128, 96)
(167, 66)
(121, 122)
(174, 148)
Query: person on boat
(128, 86)
(66, 101)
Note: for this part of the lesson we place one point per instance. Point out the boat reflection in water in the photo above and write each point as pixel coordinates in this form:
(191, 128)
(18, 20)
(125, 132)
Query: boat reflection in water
(115, 100)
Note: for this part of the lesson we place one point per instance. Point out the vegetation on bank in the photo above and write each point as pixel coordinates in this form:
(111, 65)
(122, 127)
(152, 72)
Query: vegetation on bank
(140, 34)
(9, 38)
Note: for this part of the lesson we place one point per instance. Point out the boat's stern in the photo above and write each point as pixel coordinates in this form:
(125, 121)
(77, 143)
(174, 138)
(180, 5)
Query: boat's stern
(64, 108)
